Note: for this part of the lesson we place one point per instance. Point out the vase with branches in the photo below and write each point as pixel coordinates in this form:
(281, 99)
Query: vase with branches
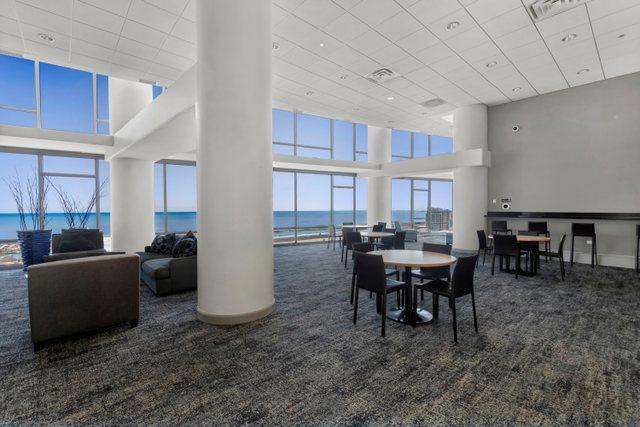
(76, 211)
(30, 197)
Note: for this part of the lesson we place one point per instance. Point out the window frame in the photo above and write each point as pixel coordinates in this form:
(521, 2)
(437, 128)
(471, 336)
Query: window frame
(399, 157)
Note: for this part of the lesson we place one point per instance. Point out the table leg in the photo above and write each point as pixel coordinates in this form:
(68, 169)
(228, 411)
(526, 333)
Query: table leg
(408, 314)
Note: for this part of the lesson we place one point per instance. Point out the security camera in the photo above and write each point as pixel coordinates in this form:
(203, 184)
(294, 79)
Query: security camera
(515, 128)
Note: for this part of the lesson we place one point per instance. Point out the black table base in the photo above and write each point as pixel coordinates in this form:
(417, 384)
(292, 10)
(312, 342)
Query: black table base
(406, 314)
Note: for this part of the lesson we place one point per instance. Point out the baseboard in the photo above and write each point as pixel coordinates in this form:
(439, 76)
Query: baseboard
(234, 319)
(609, 260)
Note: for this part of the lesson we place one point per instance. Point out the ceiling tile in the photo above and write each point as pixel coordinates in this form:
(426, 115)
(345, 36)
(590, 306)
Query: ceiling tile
(617, 20)
(10, 43)
(185, 30)
(561, 22)
(434, 53)
(173, 6)
(507, 23)
(7, 9)
(369, 42)
(373, 12)
(517, 38)
(406, 65)
(429, 11)
(530, 50)
(152, 16)
(364, 66)
(143, 34)
(398, 26)
(388, 55)
(417, 41)
(464, 23)
(119, 7)
(130, 61)
(94, 35)
(134, 48)
(179, 47)
(485, 10)
(9, 26)
(43, 19)
(90, 63)
(318, 12)
(346, 28)
(88, 49)
(601, 8)
(59, 7)
(190, 11)
(475, 54)
(97, 17)
(469, 39)
(31, 32)
(172, 60)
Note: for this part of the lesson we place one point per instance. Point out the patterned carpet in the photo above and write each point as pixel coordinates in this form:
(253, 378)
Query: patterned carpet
(547, 351)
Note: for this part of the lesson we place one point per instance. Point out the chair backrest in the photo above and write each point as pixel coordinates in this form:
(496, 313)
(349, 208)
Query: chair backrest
(363, 247)
(583, 229)
(482, 239)
(397, 225)
(505, 244)
(498, 226)
(437, 247)
(527, 232)
(383, 224)
(398, 239)
(561, 245)
(377, 227)
(332, 230)
(352, 237)
(346, 230)
(389, 230)
(540, 227)
(370, 271)
(94, 237)
(462, 278)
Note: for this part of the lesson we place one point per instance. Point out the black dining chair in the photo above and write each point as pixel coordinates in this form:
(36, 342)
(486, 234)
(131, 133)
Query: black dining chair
(461, 284)
(371, 276)
(542, 229)
(389, 241)
(585, 230)
(482, 245)
(377, 228)
(530, 248)
(500, 227)
(435, 273)
(350, 237)
(560, 255)
(506, 246)
(382, 225)
(366, 247)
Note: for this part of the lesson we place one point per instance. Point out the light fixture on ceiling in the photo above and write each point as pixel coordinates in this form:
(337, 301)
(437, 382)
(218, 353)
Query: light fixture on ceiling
(390, 98)
(491, 64)
(433, 102)
(321, 44)
(47, 37)
(621, 35)
(343, 77)
(275, 45)
(569, 37)
(309, 93)
(516, 89)
(583, 71)
(452, 25)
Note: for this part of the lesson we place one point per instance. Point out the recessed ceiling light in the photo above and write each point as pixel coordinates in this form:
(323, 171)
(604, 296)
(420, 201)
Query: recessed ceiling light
(390, 98)
(584, 70)
(621, 35)
(569, 37)
(47, 37)
(309, 93)
(452, 25)
(275, 45)
(491, 64)
(343, 76)
(321, 44)
(517, 89)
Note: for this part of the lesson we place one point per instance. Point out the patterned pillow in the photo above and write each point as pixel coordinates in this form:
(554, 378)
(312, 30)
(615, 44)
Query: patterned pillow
(187, 246)
(163, 244)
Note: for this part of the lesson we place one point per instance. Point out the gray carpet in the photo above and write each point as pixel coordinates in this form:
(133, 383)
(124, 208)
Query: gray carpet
(547, 351)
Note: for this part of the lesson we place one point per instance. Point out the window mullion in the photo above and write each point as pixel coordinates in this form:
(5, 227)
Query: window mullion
(36, 64)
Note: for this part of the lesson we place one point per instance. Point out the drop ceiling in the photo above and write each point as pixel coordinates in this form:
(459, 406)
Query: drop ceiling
(493, 52)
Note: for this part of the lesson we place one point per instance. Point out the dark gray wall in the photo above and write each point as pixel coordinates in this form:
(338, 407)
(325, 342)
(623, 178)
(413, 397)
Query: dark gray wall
(578, 150)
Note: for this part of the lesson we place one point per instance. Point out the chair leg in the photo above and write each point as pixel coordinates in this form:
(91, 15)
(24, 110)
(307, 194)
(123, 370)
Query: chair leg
(355, 308)
(573, 238)
(341, 253)
(353, 285)
(484, 254)
(594, 253)
(562, 267)
(493, 263)
(638, 255)
(452, 302)
(384, 312)
(517, 263)
(435, 301)
(346, 257)
(398, 300)
(473, 305)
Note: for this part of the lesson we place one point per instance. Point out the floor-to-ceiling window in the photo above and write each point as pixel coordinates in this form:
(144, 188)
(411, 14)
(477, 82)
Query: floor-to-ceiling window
(17, 91)
(426, 204)
(306, 203)
(307, 135)
(175, 194)
(407, 145)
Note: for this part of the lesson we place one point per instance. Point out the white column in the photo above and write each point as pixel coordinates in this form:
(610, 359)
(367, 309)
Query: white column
(132, 204)
(126, 99)
(470, 184)
(379, 187)
(233, 112)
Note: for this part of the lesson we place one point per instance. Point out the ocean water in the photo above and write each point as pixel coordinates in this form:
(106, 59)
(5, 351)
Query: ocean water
(283, 221)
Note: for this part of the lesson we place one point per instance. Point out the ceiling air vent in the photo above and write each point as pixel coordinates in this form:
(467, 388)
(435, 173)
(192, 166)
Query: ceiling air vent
(433, 103)
(382, 75)
(543, 9)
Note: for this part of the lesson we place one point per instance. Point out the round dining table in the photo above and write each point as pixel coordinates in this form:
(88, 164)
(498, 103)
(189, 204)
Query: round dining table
(523, 238)
(528, 239)
(410, 259)
(376, 234)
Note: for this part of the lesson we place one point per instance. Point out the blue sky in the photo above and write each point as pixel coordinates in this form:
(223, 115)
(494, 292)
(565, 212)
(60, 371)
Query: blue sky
(67, 104)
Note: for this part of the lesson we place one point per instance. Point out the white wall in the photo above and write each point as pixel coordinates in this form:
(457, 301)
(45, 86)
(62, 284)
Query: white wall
(126, 99)
(379, 187)
(578, 150)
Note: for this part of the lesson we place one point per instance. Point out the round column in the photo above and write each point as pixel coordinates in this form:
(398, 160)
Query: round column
(379, 187)
(234, 161)
(470, 184)
(132, 204)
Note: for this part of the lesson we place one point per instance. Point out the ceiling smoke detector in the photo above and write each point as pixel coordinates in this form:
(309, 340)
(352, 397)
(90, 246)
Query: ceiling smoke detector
(543, 9)
(382, 75)
(47, 37)
(433, 103)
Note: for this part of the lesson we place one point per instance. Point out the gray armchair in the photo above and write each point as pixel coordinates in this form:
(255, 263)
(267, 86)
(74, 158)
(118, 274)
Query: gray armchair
(83, 294)
(410, 236)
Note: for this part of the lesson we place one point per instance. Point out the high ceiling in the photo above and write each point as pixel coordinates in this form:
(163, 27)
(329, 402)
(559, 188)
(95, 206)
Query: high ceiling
(463, 51)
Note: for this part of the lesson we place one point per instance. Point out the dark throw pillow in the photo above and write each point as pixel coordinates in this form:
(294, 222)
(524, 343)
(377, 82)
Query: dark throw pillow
(187, 246)
(75, 242)
(163, 244)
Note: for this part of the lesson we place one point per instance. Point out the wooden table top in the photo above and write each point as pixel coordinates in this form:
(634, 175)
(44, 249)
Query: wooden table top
(523, 238)
(411, 258)
(376, 234)
(357, 226)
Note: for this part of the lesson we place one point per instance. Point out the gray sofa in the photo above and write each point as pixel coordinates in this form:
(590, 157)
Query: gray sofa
(166, 275)
(93, 237)
(82, 294)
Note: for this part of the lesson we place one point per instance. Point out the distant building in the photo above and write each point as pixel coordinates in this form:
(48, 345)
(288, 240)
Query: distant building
(439, 219)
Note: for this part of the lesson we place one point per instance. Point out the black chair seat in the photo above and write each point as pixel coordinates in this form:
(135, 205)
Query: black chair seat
(395, 285)
(438, 286)
(431, 273)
